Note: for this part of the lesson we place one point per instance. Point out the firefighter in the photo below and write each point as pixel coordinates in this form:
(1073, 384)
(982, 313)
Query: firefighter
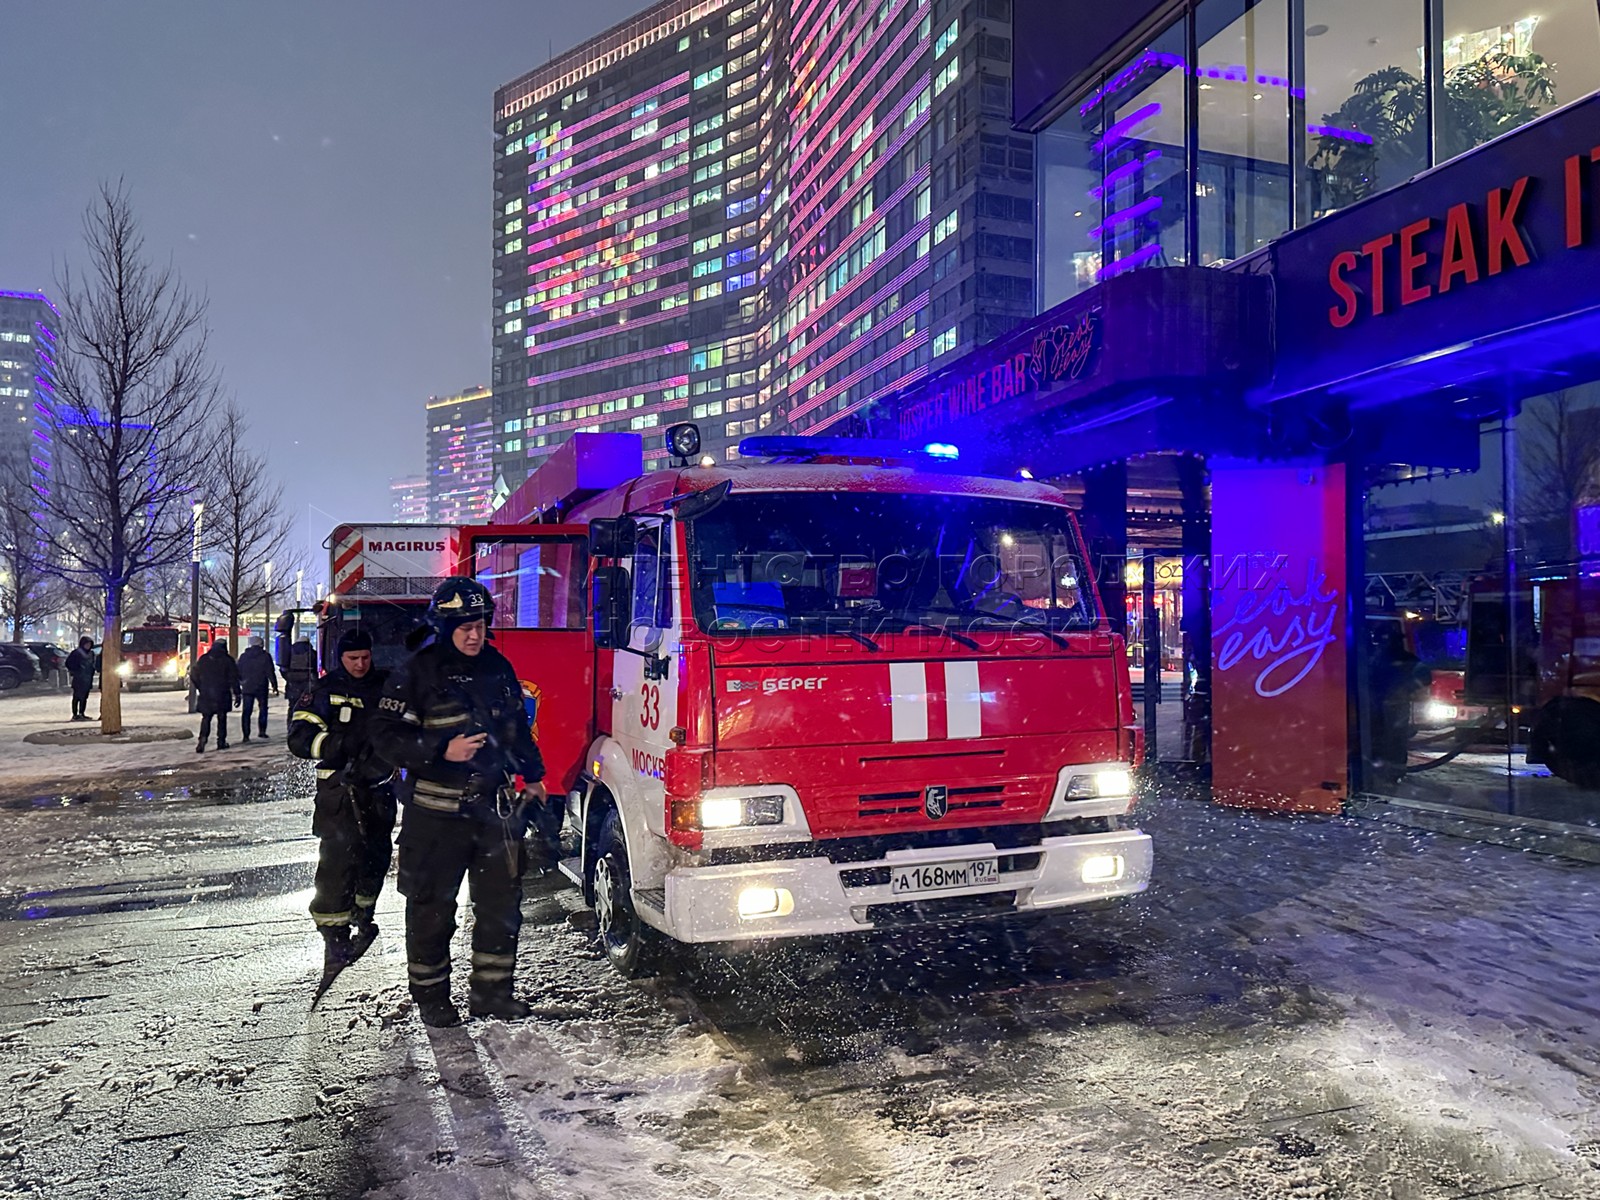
(455, 720)
(355, 806)
(299, 673)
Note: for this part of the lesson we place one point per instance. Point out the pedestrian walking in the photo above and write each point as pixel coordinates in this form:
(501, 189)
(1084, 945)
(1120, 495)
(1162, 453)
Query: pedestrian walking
(299, 672)
(215, 677)
(81, 666)
(256, 675)
(454, 719)
(354, 810)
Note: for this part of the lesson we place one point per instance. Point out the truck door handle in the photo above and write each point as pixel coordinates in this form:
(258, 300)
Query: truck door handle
(616, 693)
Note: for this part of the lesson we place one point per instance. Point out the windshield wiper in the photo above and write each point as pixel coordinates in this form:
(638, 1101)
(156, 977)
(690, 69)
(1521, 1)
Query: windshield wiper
(858, 637)
(908, 623)
(1042, 630)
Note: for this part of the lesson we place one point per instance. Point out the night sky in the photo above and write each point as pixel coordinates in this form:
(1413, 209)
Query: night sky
(320, 168)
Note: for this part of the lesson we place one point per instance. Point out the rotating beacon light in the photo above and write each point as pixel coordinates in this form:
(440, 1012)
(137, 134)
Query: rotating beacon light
(683, 441)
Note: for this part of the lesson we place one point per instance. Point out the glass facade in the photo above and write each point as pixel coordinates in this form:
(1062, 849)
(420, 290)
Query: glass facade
(1244, 118)
(1480, 682)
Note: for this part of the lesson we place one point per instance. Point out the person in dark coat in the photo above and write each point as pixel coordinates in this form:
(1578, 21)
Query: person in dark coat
(453, 718)
(354, 809)
(215, 677)
(81, 666)
(256, 675)
(299, 673)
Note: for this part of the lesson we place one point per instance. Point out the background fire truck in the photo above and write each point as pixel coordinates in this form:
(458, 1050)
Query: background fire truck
(382, 579)
(830, 689)
(157, 653)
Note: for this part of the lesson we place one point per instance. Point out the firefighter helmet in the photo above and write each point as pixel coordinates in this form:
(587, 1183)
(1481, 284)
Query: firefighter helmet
(459, 601)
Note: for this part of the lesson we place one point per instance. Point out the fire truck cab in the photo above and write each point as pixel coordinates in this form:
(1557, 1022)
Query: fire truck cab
(833, 687)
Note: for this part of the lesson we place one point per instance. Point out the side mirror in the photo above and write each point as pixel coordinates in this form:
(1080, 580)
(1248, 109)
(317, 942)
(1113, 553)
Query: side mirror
(612, 537)
(609, 611)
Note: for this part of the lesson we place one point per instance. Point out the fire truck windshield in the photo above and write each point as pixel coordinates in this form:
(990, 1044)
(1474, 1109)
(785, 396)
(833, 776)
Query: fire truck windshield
(149, 641)
(876, 562)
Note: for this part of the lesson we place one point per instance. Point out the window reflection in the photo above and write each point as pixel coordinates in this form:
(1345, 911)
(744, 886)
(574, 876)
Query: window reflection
(1243, 187)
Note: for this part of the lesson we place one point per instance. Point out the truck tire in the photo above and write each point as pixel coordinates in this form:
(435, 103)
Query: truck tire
(629, 944)
(10, 678)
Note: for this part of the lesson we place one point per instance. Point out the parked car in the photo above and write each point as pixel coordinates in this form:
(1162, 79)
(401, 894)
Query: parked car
(51, 656)
(18, 665)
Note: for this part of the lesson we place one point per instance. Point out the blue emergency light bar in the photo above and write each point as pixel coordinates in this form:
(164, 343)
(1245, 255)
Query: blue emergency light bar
(801, 448)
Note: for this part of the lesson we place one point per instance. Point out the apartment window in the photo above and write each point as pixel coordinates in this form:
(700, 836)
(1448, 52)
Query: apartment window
(947, 38)
(945, 342)
(948, 74)
(946, 226)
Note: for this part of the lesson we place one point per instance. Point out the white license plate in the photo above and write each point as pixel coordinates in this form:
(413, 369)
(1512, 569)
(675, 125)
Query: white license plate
(933, 877)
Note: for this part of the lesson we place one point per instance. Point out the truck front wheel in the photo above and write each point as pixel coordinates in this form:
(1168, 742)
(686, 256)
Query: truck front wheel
(627, 941)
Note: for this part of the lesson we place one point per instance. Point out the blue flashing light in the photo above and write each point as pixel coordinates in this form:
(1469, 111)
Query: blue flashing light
(791, 447)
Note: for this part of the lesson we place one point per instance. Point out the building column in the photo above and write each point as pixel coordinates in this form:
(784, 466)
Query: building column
(1280, 701)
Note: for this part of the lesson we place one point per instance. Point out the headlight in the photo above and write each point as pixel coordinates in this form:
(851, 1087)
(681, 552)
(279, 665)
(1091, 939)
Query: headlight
(171, 667)
(1099, 784)
(730, 812)
(124, 669)
(1103, 868)
(1437, 712)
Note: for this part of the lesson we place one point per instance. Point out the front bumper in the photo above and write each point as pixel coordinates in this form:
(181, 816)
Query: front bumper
(701, 904)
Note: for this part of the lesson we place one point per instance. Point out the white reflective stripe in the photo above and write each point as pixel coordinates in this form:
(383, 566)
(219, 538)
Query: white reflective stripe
(908, 701)
(326, 772)
(305, 714)
(316, 744)
(963, 702)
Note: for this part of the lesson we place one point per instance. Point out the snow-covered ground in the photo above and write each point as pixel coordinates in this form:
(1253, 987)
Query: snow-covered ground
(1304, 1008)
(27, 767)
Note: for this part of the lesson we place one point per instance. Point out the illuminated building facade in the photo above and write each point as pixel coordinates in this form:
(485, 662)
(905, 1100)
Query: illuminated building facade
(461, 446)
(28, 324)
(755, 215)
(408, 498)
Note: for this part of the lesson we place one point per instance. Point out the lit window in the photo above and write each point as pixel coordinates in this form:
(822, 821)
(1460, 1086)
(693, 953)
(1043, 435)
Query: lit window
(945, 342)
(947, 38)
(945, 227)
(950, 73)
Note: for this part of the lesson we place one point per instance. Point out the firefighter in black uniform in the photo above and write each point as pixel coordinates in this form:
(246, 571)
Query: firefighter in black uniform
(454, 719)
(355, 803)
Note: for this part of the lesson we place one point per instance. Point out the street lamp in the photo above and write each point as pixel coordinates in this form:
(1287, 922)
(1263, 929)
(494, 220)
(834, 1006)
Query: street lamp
(266, 604)
(194, 599)
(298, 576)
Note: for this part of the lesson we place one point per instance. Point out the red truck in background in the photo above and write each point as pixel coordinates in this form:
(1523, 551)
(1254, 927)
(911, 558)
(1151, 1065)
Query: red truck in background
(381, 577)
(157, 653)
(830, 688)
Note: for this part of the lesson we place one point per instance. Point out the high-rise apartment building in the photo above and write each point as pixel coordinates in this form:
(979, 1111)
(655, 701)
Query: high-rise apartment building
(408, 498)
(461, 447)
(756, 215)
(28, 323)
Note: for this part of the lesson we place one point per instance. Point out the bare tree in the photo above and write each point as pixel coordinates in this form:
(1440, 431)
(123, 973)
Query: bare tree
(26, 591)
(1561, 463)
(135, 396)
(247, 527)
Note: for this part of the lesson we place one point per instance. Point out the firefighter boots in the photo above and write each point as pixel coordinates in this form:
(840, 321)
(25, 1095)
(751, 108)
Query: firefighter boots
(495, 1000)
(435, 1009)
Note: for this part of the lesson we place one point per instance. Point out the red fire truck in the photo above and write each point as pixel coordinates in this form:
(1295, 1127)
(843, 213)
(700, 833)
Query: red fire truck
(833, 687)
(157, 653)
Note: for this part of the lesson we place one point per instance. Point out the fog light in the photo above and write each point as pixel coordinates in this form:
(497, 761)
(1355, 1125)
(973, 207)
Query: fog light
(1113, 783)
(721, 813)
(124, 669)
(171, 667)
(765, 902)
(1103, 868)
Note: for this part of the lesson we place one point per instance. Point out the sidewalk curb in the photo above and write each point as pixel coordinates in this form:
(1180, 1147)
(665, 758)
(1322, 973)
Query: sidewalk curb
(1499, 829)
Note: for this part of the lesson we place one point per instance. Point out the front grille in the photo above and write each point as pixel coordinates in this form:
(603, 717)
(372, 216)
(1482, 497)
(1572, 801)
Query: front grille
(943, 908)
(867, 849)
(962, 799)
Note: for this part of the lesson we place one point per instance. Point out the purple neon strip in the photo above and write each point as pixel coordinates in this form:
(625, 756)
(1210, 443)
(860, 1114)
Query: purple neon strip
(852, 100)
(855, 377)
(1137, 259)
(1334, 131)
(578, 161)
(1132, 167)
(591, 368)
(1123, 216)
(1120, 131)
(32, 296)
(582, 231)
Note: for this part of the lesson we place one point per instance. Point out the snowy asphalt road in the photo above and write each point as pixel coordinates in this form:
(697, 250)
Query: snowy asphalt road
(1300, 1008)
